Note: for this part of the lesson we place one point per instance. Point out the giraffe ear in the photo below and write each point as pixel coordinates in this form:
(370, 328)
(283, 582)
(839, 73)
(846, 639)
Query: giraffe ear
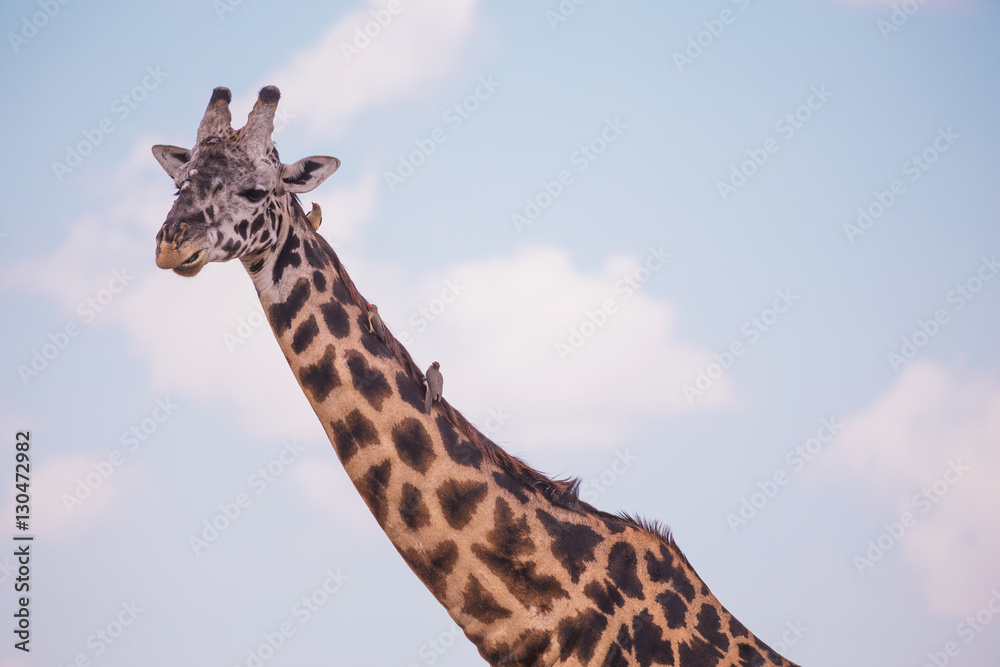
(171, 158)
(308, 173)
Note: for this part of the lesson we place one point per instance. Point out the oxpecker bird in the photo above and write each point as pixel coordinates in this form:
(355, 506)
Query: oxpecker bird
(375, 325)
(315, 216)
(435, 384)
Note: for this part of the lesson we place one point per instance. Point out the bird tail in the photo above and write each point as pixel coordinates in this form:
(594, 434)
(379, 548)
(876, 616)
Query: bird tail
(428, 399)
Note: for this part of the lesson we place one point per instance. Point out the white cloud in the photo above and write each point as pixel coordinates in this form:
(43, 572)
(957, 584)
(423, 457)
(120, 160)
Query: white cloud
(903, 443)
(118, 233)
(497, 347)
(325, 90)
(179, 327)
(347, 208)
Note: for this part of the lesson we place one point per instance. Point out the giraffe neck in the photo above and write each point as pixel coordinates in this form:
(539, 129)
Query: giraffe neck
(426, 484)
(531, 574)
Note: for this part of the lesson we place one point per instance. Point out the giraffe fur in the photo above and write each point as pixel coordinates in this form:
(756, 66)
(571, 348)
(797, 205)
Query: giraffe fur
(532, 574)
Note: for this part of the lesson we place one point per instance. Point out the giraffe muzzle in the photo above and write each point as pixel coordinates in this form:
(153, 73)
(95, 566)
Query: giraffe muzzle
(183, 257)
(185, 263)
(184, 260)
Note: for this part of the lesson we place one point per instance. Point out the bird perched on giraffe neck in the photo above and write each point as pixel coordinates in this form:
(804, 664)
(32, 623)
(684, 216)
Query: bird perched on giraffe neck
(435, 384)
(315, 216)
(375, 325)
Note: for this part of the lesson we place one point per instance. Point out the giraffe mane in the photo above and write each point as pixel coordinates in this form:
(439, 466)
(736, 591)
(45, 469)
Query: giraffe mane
(563, 492)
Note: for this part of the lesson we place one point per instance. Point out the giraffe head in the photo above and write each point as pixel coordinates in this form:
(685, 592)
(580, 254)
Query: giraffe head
(231, 187)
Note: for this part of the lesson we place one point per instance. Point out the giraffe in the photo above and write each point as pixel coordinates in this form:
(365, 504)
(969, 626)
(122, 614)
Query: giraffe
(533, 575)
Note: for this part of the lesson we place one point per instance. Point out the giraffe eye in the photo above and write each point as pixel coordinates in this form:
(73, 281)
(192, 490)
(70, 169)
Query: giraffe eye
(254, 195)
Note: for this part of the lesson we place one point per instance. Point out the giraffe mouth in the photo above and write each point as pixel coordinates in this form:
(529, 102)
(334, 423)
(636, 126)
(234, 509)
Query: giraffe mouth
(192, 265)
(179, 256)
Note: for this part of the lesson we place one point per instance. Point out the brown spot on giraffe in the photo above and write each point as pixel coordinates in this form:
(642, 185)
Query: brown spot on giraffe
(412, 508)
(305, 333)
(572, 543)
(506, 555)
(319, 280)
(649, 646)
(622, 568)
(373, 487)
(368, 380)
(351, 434)
(459, 449)
(320, 378)
(459, 500)
(604, 594)
(480, 604)
(579, 634)
(282, 314)
(409, 391)
(434, 566)
(335, 317)
(413, 444)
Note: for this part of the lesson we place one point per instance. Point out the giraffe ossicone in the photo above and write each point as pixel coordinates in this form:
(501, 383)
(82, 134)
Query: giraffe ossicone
(532, 574)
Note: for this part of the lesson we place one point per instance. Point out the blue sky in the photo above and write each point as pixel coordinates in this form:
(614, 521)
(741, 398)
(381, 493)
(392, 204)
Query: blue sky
(826, 443)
